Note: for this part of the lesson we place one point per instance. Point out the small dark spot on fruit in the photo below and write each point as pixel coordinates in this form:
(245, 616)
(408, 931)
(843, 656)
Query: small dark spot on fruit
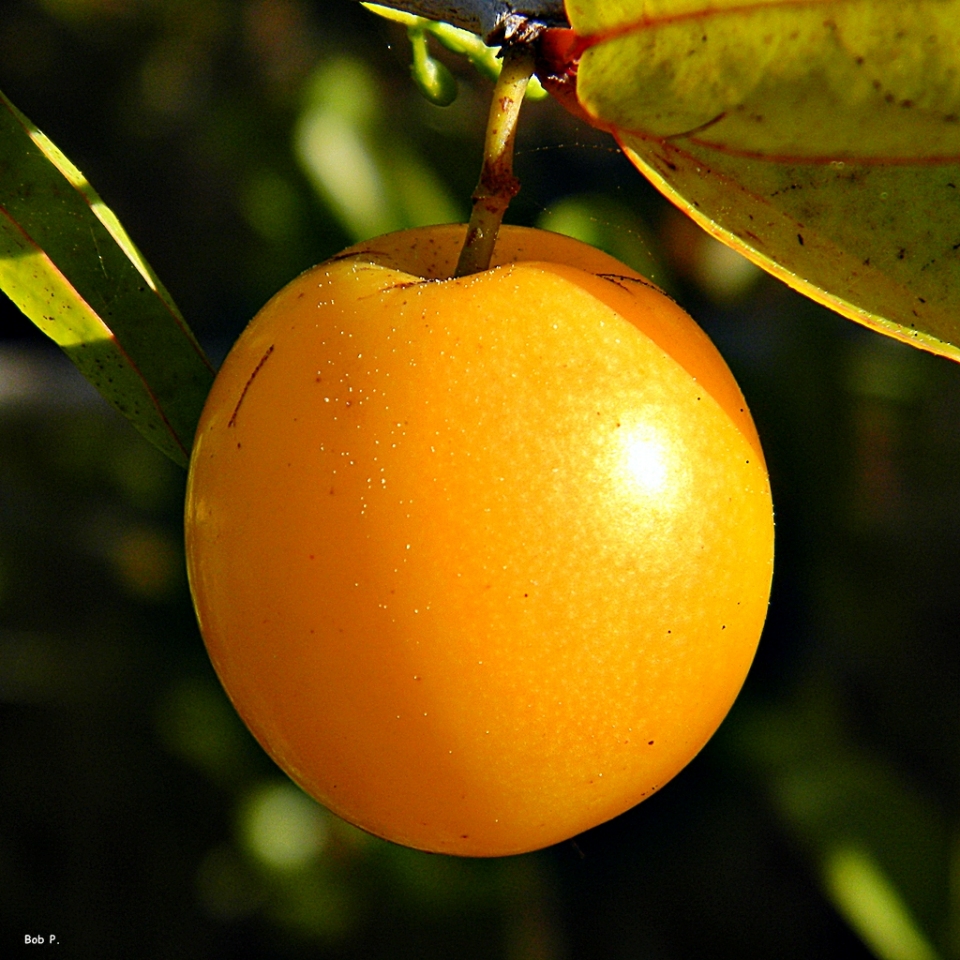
(800, 239)
(649, 743)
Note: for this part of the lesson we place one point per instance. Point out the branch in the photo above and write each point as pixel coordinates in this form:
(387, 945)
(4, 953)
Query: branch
(491, 19)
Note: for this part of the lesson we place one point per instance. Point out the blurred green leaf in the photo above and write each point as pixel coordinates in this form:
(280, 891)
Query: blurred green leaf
(68, 264)
(821, 139)
(873, 906)
(880, 845)
(370, 176)
(602, 222)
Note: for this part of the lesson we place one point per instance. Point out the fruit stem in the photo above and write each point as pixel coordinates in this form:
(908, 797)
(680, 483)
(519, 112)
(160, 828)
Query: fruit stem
(497, 186)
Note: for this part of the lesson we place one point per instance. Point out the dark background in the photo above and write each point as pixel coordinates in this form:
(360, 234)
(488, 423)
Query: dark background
(137, 816)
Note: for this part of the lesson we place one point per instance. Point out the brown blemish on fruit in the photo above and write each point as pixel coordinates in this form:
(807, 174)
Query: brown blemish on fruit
(622, 281)
(364, 254)
(399, 285)
(232, 422)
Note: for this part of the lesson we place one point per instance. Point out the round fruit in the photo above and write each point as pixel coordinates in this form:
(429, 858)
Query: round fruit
(482, 562)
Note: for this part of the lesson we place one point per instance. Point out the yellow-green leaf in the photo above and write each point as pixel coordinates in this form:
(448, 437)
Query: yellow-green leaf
(68, 264)
(820, 138)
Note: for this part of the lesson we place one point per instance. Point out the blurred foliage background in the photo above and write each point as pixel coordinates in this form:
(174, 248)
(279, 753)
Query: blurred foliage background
(241, 141)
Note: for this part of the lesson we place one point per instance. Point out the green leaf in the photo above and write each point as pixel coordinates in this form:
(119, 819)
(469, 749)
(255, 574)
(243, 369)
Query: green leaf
(370, 176)
(879, 843)
(68, 264)
(819, 138)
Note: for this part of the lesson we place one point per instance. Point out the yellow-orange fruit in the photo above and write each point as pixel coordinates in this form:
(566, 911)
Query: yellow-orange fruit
(482, 562)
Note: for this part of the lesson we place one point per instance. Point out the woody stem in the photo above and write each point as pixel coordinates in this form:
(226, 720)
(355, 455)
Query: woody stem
(497, 185)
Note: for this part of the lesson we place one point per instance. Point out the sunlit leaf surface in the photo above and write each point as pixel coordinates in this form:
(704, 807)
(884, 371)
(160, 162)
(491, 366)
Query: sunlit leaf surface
(820, 138)
(68, 264)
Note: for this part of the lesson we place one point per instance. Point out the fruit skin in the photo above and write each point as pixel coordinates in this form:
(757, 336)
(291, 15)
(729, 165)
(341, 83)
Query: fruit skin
(481, 562)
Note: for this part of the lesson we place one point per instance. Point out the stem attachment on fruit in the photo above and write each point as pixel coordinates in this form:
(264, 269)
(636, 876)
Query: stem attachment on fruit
(497, 186)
